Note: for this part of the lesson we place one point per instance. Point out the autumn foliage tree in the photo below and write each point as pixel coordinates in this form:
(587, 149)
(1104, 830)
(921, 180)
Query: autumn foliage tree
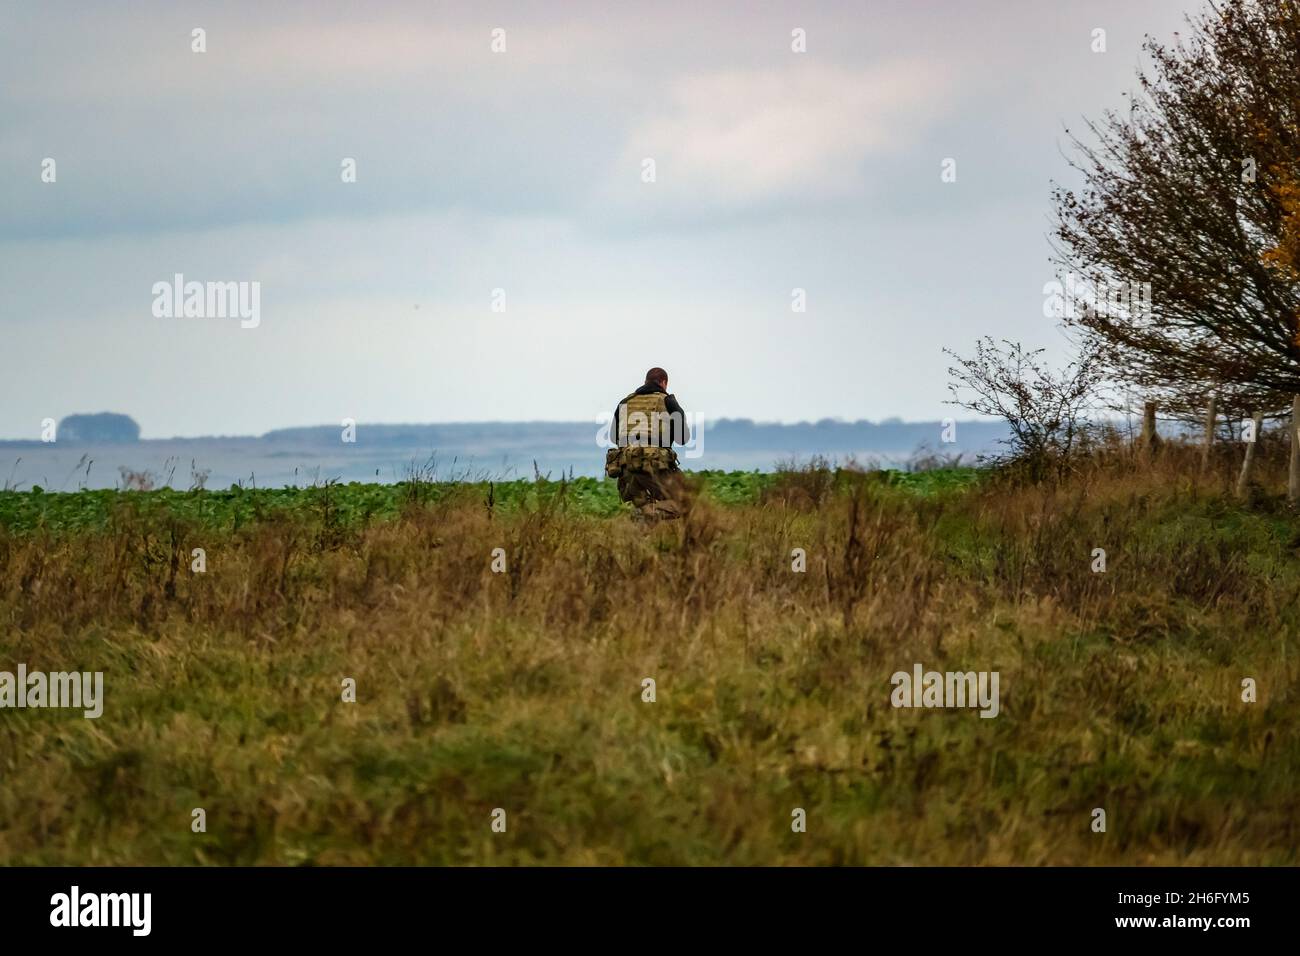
(1195, 188)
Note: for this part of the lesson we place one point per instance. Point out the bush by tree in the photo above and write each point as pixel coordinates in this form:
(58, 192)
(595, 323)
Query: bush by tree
(1047, 412)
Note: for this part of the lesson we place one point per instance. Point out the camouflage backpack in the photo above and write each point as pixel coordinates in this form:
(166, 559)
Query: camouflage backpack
(648, 458)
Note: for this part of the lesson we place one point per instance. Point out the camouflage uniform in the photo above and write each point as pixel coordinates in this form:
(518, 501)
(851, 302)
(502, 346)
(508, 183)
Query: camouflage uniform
(645, 463)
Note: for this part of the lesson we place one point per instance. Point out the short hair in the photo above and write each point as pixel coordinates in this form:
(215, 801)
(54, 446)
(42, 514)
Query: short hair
(656, 375)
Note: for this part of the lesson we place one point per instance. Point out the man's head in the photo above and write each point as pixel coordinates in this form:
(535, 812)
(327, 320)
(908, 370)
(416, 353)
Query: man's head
(657, 376)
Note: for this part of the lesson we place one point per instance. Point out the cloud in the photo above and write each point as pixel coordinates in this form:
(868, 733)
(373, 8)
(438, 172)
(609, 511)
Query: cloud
(739, 139)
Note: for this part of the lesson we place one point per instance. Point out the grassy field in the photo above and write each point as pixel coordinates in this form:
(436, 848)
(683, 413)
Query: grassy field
(523, 690)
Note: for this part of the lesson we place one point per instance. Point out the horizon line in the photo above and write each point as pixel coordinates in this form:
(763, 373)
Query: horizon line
(892, 421)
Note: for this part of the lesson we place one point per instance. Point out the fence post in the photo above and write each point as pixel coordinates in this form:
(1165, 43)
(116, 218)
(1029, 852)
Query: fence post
(1148, 440)
(1293, 472)
(1210, 413)
(1247, 466)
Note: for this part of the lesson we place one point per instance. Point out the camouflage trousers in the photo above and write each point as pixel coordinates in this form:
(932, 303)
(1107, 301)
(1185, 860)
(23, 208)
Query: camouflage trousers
(649, 478)
(655, 494)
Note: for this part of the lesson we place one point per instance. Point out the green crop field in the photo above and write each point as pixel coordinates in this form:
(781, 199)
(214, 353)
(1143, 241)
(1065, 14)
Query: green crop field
(359, 504)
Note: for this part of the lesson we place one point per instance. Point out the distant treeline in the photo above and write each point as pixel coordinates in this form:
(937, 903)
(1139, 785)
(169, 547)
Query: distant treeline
(101, 427)
(525, 440)
(733, 433)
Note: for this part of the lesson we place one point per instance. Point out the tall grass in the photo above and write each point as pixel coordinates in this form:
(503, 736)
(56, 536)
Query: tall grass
(522, 690)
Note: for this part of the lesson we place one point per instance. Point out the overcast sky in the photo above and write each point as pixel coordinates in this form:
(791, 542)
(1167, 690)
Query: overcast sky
(522, 171)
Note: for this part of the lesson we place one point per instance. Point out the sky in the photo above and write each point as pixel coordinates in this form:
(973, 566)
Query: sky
(504, 253)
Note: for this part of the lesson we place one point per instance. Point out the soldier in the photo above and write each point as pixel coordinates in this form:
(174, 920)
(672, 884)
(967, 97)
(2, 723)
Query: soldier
(646, 425)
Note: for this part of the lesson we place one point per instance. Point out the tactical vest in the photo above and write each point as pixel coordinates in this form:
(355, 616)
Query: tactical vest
(645, 421)
(644, 437)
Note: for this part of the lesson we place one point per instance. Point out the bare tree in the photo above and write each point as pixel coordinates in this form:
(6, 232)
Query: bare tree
(1048, 412)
